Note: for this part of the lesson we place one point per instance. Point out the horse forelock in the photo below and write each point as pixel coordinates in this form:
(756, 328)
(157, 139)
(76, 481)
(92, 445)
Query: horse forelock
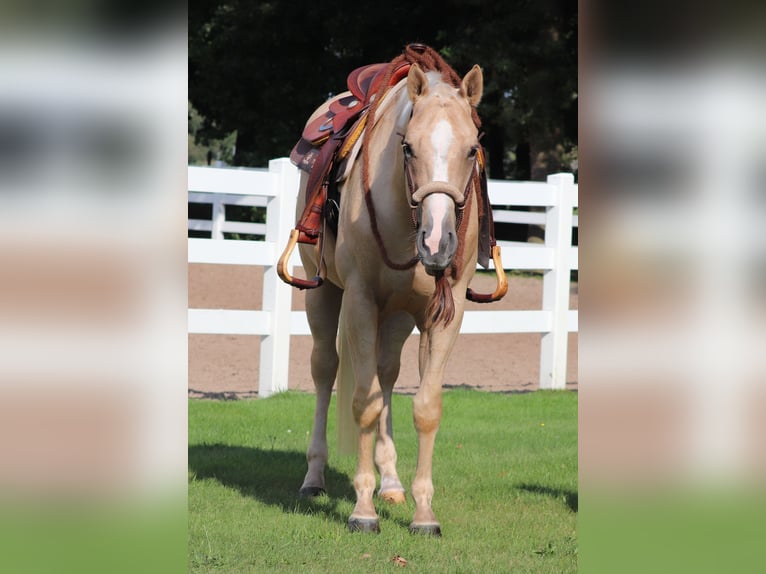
(435, 78)
(398, 99)
(403, 106)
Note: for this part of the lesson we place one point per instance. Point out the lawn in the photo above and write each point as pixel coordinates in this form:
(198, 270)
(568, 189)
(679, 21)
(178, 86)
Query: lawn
(505, 478)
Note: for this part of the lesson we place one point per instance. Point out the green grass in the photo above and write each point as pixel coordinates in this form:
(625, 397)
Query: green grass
(505, 475)
(82, 536)
(674, 529)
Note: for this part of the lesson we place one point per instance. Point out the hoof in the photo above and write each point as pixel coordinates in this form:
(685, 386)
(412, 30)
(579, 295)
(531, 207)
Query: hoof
(364, 525)
(393, 496)
(426, 529)
(311, 491)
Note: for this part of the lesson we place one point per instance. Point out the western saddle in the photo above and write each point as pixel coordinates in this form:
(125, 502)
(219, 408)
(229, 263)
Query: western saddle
(328, 139)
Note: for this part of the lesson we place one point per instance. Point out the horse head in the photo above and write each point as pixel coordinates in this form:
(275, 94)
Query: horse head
(440, 148)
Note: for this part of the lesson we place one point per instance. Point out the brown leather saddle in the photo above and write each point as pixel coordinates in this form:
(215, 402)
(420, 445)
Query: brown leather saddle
(328, 138)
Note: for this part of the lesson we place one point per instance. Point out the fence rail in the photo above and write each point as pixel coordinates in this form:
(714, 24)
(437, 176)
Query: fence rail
(276, 189)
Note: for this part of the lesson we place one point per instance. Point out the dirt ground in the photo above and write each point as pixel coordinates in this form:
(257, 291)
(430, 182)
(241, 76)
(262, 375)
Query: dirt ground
(226, 366)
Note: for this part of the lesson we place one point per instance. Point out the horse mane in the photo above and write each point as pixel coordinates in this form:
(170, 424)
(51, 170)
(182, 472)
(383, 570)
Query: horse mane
(441, 306)
(429, 60)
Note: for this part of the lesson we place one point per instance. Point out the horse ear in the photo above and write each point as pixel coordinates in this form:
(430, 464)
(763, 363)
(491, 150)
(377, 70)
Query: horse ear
(473, 85)
(417, 83)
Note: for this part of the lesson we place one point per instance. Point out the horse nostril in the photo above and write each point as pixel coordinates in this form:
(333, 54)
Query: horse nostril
(422, 240)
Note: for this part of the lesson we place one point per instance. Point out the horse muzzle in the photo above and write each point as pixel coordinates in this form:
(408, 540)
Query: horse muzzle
(438, 261)
(437, 240)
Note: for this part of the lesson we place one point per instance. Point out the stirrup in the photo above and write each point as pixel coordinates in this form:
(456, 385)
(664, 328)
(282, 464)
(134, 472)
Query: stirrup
(285, 276)
(502, 282)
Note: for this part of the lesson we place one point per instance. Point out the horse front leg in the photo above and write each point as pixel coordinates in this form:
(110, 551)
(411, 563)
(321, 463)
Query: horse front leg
(435, 346)
(360, 327)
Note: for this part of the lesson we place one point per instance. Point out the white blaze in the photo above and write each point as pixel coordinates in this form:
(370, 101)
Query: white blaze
(441, 140)
(437, 206)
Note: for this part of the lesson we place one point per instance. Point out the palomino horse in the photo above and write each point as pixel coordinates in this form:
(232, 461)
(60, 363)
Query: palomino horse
(405, 252)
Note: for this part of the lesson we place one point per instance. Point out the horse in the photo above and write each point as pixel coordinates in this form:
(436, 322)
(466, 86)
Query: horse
(403, 256)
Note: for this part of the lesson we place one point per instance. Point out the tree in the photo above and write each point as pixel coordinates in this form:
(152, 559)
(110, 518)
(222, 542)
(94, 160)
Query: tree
(206, 150)
(261, 68)
(529, 53)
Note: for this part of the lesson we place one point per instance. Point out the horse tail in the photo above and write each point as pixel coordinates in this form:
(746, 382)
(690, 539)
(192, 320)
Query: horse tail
(348, 432)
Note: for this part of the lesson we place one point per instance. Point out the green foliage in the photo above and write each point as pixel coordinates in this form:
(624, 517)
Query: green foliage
(246, 214)
(505, 474)
(261, 68)
(202, 148)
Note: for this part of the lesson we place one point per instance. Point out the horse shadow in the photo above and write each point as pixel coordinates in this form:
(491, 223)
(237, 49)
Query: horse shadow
(274, 477)
(569, 497)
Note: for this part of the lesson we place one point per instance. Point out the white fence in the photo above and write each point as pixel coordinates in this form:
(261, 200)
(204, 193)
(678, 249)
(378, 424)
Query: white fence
(276, 189)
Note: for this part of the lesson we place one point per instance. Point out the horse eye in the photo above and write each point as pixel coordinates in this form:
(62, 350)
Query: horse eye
(473, 151)
(407, 150)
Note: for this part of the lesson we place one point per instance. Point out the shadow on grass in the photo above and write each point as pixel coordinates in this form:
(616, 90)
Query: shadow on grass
(273, 477)
(569, 496)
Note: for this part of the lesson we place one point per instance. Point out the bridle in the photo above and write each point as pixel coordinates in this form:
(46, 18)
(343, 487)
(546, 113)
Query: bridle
(415, 199)
(415, 196)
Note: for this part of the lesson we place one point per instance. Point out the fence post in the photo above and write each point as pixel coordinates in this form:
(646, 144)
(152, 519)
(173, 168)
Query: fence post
(219, 217)
(558, 236)
(277, 295)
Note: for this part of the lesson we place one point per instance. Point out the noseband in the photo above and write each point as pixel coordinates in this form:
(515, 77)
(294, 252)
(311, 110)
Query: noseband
(416, 196)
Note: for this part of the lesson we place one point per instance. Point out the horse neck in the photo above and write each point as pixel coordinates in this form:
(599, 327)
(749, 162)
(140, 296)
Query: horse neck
(386, 169)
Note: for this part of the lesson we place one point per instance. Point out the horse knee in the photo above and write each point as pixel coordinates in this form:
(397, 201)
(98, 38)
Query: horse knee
(367, 409)
(324, 366)
(427, 414)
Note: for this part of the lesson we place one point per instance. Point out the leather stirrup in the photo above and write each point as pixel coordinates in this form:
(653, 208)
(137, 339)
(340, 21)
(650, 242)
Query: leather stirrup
(282, 266)
(502, 282)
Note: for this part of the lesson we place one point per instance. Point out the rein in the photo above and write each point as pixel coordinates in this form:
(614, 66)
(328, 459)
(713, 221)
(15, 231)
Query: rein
(426, 57)
(379, 240)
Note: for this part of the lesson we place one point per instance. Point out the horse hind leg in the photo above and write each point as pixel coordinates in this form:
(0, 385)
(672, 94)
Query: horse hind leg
(322, 310)
(393, 334)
